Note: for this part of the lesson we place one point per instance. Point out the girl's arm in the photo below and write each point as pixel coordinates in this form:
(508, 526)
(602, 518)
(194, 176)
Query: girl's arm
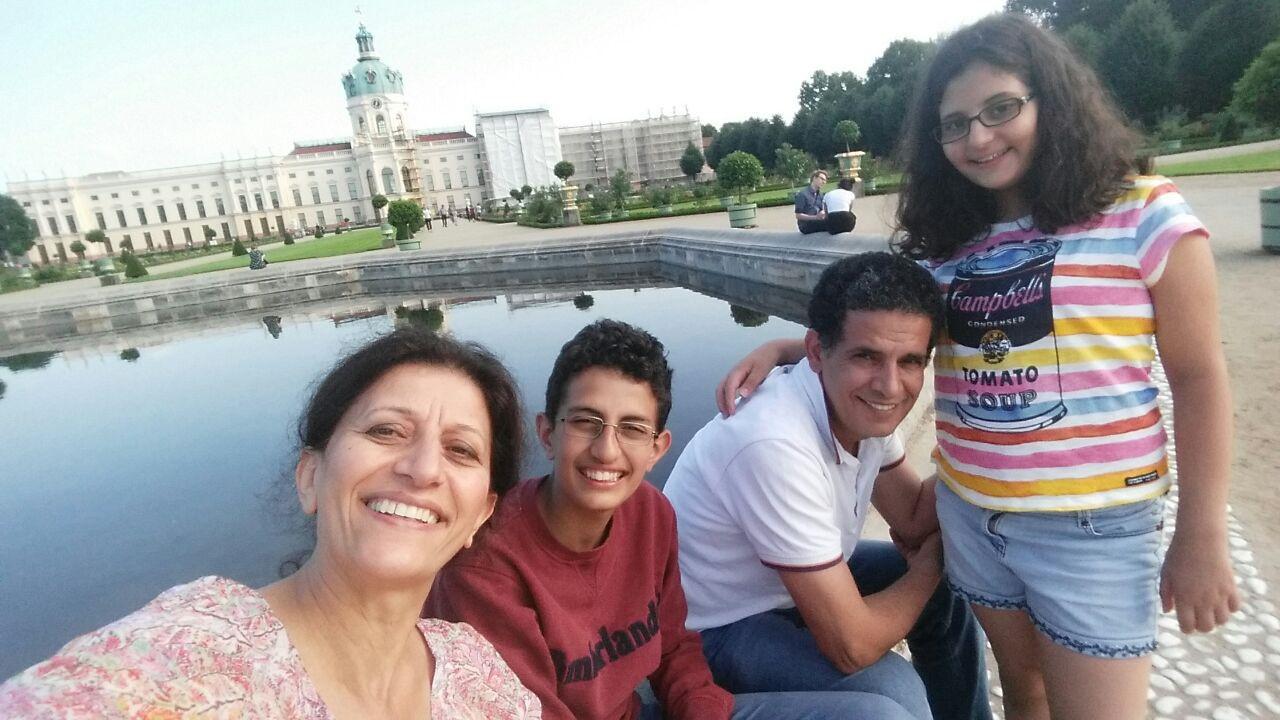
(1197, 579)
(747, 375)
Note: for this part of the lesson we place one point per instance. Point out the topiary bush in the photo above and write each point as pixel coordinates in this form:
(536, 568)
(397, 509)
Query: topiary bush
(319, 232)
(288, 238)
(740, 172)
(133, 268)
(237, 248)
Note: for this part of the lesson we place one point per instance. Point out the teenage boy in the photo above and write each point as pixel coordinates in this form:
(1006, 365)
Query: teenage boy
(576, 581)
(771, 503)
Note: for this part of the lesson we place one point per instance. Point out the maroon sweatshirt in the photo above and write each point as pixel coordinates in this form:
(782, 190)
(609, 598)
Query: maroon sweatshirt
(583, 629)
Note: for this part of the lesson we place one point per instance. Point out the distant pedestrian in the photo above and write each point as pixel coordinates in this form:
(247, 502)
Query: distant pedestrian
(257, 260)
(426, 219)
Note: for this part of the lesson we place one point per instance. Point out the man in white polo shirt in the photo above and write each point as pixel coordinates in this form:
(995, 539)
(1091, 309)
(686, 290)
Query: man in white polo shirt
(770, 503)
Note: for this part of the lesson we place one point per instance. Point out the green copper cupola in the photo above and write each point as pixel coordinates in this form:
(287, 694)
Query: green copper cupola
(371, 76)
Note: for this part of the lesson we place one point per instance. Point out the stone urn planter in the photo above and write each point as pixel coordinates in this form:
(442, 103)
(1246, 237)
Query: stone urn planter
(85, 266)
(850, 163)
(388, 235)
(742, 215)
(409, 243)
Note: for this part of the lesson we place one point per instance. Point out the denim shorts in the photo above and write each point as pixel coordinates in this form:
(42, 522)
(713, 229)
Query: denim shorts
(1089, 579)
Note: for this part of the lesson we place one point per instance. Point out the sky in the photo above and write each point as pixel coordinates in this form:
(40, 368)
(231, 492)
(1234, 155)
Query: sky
(142, 84)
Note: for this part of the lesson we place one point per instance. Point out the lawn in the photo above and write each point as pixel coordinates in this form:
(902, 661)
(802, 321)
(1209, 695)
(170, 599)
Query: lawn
(351, 242)
(1249, 162)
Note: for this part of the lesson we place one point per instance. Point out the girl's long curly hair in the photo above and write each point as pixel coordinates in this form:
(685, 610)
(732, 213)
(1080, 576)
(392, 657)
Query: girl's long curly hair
(1084, 149)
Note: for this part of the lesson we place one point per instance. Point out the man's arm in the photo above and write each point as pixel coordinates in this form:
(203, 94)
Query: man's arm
(853, 631)
(906, 502)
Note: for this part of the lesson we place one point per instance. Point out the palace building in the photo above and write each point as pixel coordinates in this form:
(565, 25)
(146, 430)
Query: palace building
(318, 183)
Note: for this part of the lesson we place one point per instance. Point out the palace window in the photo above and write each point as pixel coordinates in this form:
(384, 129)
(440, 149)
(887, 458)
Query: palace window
(102, 222)
(164, 217)
(315, 194)
(244, 204)
(182, 210)
(448, 182)
(388, 181)
(199, 208)
(71, 224)
(333, 192)
(222, 210)
(142, 216)
(275, 200)
(120, 219)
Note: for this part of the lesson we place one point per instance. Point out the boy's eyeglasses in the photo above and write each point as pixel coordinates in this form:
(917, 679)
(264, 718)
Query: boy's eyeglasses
(993, 115)
(590, 427)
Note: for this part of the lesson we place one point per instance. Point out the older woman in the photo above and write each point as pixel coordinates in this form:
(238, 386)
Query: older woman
(406, 446)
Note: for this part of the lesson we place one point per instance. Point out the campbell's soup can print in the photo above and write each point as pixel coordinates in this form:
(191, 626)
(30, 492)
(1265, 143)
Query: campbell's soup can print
(1000, 305)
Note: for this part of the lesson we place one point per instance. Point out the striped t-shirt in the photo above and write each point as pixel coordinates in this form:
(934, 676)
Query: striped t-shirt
(1043, 384)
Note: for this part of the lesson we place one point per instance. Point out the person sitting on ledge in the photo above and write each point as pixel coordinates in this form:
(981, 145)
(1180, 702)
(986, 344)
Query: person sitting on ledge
(811, 217)
(257, 260)
(406, 446)
(839, 206)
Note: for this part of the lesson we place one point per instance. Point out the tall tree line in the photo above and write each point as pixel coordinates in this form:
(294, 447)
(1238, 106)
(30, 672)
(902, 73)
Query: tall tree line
(1156, 57)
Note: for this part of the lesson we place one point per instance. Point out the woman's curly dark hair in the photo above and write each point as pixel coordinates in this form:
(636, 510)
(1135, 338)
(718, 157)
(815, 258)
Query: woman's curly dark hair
(1084, 149)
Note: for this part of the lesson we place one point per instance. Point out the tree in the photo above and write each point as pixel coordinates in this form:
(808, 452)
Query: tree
(17, 231)
(515, 194)
(1138, 57)
(1257, 92)
(620, 188)
(691, 161)
(379, 202)
(564, 170)
(210, 234)
(709, 130)
(405, 216)
(1086, 42)
(525, 191)
(133, 267)
(1221, 44)
(96, 236)
(792, 164)
(78, 248)
(740, 173)
(848, 132)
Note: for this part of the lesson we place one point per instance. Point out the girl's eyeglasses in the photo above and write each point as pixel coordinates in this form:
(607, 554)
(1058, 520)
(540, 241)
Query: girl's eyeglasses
(993, 115)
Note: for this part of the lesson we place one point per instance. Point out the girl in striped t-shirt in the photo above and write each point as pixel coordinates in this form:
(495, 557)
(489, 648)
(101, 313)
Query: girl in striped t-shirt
(1059, 267)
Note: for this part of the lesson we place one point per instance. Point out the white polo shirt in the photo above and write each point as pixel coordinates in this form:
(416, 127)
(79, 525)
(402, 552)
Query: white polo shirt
(838, 200)
(769, 488)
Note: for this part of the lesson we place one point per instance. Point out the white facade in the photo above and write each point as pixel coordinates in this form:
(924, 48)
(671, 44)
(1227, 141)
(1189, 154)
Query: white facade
(518, 148)
(324, 183)
(649, 150)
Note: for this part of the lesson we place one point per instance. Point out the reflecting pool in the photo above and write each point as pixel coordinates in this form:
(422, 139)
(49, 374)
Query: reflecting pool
(135, 462)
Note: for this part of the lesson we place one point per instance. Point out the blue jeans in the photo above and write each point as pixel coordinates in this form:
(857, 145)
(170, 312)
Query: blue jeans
(774, 652)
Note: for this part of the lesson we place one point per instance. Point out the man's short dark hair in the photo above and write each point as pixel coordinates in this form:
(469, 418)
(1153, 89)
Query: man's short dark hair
(873, 281)
(845, 184)
(617, 346)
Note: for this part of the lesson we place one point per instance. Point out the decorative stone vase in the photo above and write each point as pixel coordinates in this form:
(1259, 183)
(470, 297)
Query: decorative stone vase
(1270, 201)
(388, 235)
(850, 163)
(742, 215)
(570, 194)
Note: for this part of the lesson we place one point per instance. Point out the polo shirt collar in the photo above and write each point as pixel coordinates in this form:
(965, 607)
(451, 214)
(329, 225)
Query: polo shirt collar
(811, 384)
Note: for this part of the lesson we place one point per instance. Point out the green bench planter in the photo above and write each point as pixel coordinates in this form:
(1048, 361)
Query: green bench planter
(742, 216)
